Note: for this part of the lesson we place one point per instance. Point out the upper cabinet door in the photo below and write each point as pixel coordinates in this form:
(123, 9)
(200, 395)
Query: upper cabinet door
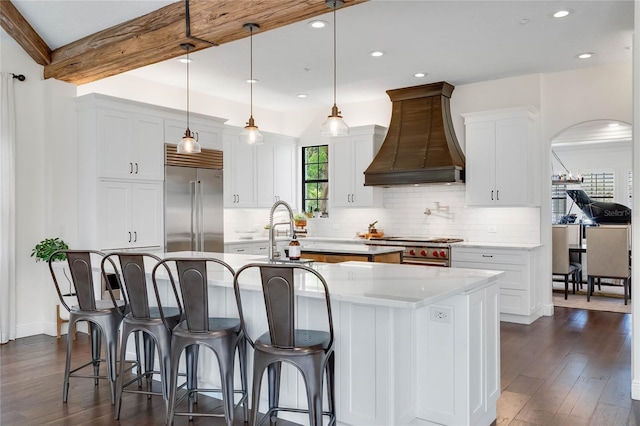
(239, 172)
(341, 170)
(265, 174)
(147, 146)
(130, 145)
(115, 134)
(362, 157)
(284, 167)
(481, 166)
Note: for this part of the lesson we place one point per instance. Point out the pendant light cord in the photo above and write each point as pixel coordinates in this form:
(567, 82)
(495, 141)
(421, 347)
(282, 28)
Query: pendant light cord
(334, 53)
(188, 88)
(251, 68)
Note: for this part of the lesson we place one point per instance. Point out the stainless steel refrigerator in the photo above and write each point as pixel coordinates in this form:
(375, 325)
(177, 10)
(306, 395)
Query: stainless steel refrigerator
(193, 209)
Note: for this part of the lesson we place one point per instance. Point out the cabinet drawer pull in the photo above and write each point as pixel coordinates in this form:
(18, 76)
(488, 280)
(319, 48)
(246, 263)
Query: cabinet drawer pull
(135, 236)
(239, 250)
(487, 255)
(498, 195)
(129, 236)
(136, 168)
(130, 167)
(491, 195)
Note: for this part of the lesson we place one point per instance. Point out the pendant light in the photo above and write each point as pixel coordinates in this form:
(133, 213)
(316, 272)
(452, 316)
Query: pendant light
(334, 125)
(250, 134)
(188, 144)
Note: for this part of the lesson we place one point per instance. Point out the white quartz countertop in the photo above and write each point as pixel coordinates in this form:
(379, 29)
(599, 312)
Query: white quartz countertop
(369, 283)
(520, 246)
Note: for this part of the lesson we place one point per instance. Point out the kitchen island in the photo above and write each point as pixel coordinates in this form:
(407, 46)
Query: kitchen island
(413, 343)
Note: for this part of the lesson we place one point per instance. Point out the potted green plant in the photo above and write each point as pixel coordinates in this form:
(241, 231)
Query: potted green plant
(300, 220)
(45, 248)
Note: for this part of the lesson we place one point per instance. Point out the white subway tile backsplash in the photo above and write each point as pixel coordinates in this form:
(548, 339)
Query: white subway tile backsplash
(403, 214)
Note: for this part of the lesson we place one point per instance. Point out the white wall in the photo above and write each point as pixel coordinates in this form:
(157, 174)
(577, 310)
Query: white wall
(45, 162)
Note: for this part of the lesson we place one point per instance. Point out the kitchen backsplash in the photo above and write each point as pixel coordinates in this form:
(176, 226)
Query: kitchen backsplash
(403, 214)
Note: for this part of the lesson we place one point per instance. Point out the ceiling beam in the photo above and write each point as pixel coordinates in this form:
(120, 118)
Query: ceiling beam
(157, 36)
(21, 31)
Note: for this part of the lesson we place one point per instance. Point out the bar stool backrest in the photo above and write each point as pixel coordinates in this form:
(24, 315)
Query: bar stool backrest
(80, 267)
(278, 287)
(194, 289)
(278, 290)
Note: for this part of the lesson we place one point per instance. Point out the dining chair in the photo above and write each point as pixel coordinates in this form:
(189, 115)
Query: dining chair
(608, 256)
(561, 263)
(102, 316)
(279, 338)
(206, 323)
(147, 316)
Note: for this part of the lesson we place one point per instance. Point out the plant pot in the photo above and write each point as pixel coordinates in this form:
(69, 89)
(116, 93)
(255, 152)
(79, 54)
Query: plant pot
(300, 223)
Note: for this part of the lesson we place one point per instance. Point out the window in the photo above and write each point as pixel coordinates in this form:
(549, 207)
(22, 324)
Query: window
(315, 178)
(599, 186)
(558, 202)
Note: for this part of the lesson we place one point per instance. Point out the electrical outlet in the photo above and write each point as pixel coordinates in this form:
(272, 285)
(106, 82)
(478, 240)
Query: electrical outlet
(492, 228)
(439, 314)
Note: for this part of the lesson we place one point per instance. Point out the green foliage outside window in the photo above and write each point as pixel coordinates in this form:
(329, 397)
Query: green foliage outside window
(315, 178)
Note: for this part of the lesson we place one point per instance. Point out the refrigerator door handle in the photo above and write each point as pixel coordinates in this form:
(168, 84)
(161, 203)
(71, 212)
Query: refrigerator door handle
(200, 216)
(194, 231)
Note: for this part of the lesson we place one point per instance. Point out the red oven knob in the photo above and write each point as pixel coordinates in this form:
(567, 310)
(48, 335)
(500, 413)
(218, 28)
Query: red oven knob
(423, 253)
(442, 254)
(412, 253)
(435, 253)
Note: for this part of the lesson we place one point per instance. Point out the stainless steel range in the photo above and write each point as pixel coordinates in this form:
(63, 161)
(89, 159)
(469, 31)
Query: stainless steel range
(420, 250)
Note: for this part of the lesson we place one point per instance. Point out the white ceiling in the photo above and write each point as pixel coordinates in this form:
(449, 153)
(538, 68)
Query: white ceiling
(459, 42)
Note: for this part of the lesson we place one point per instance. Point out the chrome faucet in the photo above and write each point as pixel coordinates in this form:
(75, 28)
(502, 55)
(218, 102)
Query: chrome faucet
(273, 252)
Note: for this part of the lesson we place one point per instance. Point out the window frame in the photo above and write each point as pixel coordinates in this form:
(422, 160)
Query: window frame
(306, 181)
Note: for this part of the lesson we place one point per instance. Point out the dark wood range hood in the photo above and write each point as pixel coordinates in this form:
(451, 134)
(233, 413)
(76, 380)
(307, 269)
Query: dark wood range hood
(421, 145)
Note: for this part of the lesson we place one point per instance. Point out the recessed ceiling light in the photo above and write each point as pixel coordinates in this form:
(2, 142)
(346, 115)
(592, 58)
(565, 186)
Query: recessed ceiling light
(301, 95)
(250, 81)
(377, 53)
(585, 55)
(185, 60)
(420, 74)
(317, 24)
(562, 13)
(524, 21)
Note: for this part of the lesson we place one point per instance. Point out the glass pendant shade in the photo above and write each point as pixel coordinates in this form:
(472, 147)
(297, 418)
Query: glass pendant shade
(188, 144)
(334, 125)
(250, 134)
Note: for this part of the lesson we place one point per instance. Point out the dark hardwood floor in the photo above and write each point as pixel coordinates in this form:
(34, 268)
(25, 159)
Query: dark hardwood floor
(570, 369)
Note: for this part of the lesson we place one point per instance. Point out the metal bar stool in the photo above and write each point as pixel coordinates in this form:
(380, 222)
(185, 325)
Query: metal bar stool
(310, 351)
(223, 335)
(103, 317)
(152, 319)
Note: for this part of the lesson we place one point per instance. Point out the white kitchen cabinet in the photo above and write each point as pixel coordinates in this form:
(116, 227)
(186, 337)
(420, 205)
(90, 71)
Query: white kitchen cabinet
(129, 145)
(130, 215)
(208, 136)
(503, 158)
(520, 293)
(239, 171)
(276, 160)
(349, 156)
